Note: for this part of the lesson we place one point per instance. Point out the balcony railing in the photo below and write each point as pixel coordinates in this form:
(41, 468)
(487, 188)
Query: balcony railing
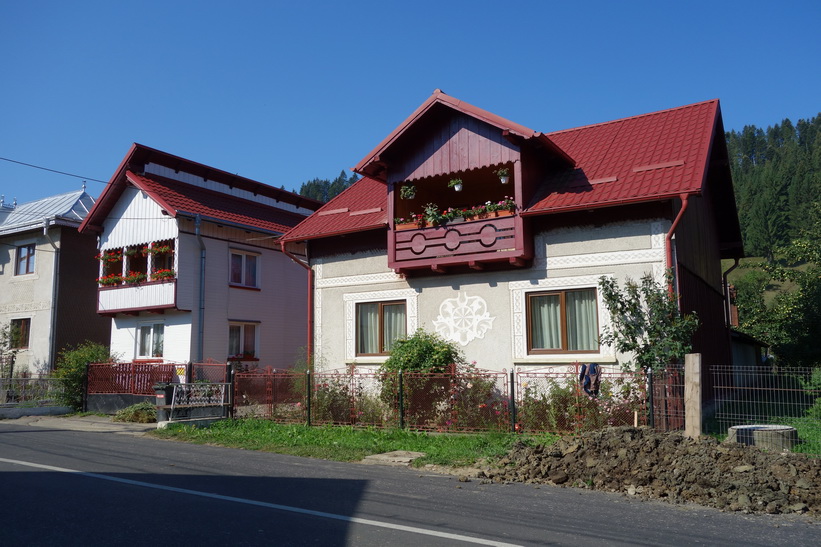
(151, 295)
(470, 243)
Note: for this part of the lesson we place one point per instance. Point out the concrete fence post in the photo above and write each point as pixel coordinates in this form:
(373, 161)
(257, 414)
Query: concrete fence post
(692, 395)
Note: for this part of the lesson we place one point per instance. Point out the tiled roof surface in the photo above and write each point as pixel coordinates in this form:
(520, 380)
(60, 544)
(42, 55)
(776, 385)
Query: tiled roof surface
(177, 197)
(361, 207)
(635, 159)
(643, 158)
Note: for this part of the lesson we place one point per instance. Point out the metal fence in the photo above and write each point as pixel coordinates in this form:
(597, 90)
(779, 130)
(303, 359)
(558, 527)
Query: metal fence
(549, 400)
(749, 396)
(31, 391)
(128, 378)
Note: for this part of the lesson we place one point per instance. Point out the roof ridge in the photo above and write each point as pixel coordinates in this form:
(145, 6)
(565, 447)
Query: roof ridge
(628, 118)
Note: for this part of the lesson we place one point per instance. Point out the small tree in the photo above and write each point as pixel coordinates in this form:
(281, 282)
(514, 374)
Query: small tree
(71, 367)
(645, 321)
(7, 353)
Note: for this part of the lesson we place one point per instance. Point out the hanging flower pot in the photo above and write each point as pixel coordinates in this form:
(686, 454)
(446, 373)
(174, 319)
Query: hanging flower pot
(504, 174)
(407, 191)
(456, 184)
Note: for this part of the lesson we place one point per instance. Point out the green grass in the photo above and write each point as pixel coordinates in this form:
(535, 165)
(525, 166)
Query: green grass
(349, 444)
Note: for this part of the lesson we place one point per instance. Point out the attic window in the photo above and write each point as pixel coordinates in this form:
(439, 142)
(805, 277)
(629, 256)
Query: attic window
(657, 166)
(333, 211)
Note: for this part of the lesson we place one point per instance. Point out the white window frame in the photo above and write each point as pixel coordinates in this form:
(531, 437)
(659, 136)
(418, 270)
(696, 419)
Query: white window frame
(410, 296)
(519, 324)
(138, 339)
(243, 325)
(243, 281)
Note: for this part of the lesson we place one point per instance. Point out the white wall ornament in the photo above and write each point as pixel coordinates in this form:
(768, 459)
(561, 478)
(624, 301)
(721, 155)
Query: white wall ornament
(463, 319)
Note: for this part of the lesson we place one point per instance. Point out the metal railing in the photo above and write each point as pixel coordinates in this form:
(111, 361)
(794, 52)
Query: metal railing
(31, 391)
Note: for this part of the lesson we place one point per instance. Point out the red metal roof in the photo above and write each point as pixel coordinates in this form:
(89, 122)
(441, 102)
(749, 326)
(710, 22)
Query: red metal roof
(178, 198)
(643, 158)
(639, 159)
(362, 206)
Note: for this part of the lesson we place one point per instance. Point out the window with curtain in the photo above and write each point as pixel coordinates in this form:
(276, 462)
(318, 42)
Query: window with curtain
(243, 269)
(563, 321)
(242, 340)
(25, 260)
(151, 340)
(378, 326)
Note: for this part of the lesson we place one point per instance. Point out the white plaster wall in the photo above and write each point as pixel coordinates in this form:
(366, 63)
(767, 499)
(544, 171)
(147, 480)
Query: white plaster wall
(29, 296)
(177, 345)
(564, 258)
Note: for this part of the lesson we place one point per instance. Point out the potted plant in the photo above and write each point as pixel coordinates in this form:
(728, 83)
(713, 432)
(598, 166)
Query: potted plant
(456, 184)
(432, 217)
(407, 191)
(504, 174)
(159, 275)
(110, 280)
(134, 277)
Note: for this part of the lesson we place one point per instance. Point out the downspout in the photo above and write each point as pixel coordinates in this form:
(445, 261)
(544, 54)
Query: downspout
(668, 241)
(201, 307)
(55, 288)
(310, 346)
(727, 310)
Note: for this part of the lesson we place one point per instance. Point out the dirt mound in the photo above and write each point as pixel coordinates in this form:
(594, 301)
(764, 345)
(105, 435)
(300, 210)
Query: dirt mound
(669, 466)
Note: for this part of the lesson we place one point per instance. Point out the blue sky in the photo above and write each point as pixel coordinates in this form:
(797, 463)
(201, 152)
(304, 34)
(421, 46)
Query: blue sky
(284, 92)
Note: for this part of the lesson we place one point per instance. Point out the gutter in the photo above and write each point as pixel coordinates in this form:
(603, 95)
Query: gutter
(55, 291)
(310, 345)
(201, 306)
(668, 240)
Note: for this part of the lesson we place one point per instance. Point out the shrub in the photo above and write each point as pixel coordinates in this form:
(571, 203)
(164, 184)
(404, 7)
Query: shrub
(71, 367)
(141, 413)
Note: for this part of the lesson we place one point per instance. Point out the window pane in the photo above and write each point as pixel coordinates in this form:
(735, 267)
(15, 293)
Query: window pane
(20, 333)
(236, 268)
(251, 270)
(159, 340)
(367, 328)
(249, 344)
(393, 326)
(25, 260)
(144, 341)
(234, 337)
(582, 323)
(545, 322)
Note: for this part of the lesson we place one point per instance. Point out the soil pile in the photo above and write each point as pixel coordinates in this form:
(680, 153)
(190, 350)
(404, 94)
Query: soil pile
(645, 463)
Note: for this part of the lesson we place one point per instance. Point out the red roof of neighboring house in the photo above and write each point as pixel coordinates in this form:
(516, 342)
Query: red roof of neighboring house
(360, 207)
(180, 198)
(643, 158)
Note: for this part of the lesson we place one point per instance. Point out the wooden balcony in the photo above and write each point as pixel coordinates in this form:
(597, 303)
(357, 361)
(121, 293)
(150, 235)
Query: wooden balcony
(474, 243)
(150, 296)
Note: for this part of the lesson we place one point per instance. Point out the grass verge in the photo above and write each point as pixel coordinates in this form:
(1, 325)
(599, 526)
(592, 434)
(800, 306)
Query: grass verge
(341, 443)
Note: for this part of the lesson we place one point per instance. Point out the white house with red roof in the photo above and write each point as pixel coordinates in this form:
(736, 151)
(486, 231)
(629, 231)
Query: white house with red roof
(191, 267)
(495, 235)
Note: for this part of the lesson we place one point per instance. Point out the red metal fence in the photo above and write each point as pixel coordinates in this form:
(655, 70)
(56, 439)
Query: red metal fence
(128, 378)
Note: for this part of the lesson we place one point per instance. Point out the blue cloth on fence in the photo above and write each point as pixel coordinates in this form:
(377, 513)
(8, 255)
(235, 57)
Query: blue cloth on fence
(590, 377)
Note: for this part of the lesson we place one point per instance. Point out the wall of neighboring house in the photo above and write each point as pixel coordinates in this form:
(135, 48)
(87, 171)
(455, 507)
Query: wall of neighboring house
(484, 312)
(76, 317)
(29, 296)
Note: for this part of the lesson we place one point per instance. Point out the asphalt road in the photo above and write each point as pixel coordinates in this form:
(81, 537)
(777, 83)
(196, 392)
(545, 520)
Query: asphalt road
(66, 485)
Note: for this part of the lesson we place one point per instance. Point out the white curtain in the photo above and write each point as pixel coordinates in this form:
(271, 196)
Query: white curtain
(159, 340)
(367, 328)
(545, 322)
(582, 323)
(393, 326)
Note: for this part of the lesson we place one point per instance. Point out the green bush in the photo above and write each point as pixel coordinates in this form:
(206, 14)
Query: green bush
(141, 413)
(71, 367)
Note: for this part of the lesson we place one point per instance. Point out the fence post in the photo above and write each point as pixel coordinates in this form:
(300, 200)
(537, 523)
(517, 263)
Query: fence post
(401, 400)
(308, 391)
(512, 401)
(692, 395)
(85, 389)
(229, 371)
(652, 416)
